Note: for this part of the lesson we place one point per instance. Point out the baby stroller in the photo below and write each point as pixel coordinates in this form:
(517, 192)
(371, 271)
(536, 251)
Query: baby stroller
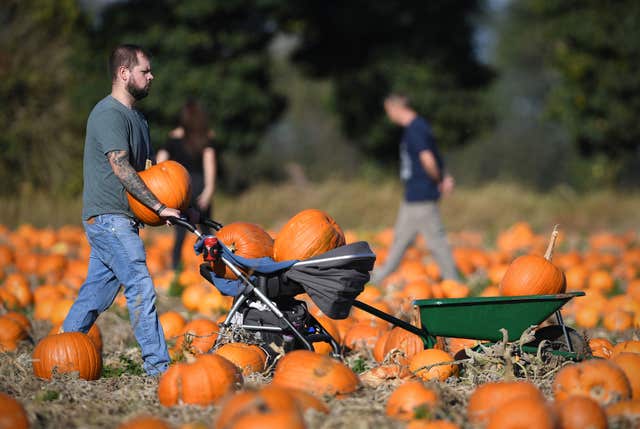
(264, 291)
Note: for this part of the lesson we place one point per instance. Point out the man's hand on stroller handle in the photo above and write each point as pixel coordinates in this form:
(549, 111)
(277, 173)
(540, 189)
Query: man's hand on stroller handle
(168, 213)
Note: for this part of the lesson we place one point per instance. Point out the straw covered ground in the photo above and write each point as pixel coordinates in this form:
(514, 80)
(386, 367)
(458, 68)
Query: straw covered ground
(123, 392)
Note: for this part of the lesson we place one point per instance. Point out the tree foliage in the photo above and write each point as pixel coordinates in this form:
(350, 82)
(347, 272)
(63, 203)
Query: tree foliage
(213, 50)
(423, 49)
(594, 47)
(38, 143)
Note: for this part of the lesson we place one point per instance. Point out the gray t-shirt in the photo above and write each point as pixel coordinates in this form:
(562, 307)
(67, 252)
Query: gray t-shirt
(111, 126)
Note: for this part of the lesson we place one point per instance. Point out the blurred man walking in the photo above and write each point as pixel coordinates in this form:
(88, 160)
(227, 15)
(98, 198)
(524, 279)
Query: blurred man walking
(425, 179)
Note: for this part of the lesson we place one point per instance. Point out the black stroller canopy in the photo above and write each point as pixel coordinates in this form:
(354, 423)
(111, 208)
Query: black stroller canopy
(334, 279)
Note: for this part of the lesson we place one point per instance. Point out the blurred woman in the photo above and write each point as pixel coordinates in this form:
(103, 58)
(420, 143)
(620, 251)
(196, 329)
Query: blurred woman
(192, 145)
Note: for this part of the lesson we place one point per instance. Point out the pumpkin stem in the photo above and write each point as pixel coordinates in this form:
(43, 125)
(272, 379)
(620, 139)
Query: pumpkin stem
(189, 356)
(509, 373)
(415, 316)
(552, 242)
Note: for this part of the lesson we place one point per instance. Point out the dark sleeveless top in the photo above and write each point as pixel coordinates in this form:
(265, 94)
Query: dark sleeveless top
(193, 163)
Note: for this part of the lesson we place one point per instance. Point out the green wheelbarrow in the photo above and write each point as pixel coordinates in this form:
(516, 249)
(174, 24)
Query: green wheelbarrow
(483, 318)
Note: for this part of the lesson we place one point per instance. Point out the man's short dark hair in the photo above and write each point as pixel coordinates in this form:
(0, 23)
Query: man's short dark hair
(125, 55)
(398, 98)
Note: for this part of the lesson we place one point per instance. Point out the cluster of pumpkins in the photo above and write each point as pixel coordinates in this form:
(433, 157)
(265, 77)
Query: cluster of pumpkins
(586, 394)
(307, 234)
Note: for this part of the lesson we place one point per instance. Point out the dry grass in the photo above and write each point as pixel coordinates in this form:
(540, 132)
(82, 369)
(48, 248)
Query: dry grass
(69, 402)
(364, 205)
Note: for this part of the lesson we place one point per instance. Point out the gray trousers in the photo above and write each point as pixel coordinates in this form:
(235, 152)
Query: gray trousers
(419, 217)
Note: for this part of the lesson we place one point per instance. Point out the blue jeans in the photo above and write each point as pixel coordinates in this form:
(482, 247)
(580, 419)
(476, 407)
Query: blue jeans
(118, 257)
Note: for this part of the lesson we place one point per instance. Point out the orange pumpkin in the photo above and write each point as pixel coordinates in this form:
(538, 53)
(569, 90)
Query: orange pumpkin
(6, 255)
(267, 419)
(363, 335)
(8, 300)
(534, 275)
(272, 398)
(67, 352)
(248, 358)
(11, 333)
(144, 422)
(420, 363)
(587, 316)
(408, 398)
(18, 285)
(370, 294)
(198, 336)
(580, 412)
(329, 325)
(20, 318)
(363, 316)
(170, 183)
(309, 233)
(59, 310)
(94, 334)
(408, 343)
(601, 347)
(625, 410)
(576, 277)
(601, 280)
(417, 289)
(379, 350)
(193, 295)
(305, 400)
(523, 412)
(172, 324)
(602, 380)
(203, 381)
(255, 401)
(453, 289)
(431, 424)
(384, 373)
(48, 292)
(315, 373)
(12, 413)
(518, 236)
(490, 291)
(618, 320)
(630, 364)
(244, 239)
(631, 346)
(492, 396)
(458, 345)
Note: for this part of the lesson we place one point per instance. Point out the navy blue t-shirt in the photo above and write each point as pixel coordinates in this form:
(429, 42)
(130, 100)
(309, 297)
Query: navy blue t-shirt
(418, 185)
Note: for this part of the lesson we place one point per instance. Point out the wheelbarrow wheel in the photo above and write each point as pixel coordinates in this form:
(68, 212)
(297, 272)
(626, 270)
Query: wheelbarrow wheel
(554, 336)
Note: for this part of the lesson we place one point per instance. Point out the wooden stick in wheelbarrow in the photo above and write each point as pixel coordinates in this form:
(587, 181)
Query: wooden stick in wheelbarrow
(548, 255)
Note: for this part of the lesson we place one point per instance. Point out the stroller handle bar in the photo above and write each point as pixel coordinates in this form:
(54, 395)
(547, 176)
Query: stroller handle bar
(184, 223)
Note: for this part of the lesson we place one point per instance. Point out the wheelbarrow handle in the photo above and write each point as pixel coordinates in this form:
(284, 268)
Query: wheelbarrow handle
(393, 320)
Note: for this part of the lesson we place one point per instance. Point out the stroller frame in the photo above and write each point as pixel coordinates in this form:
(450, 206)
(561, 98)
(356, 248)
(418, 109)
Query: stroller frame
(315, 331)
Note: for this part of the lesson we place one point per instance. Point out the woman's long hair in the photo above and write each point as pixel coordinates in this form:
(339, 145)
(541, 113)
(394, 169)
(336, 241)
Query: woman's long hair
(193, 119)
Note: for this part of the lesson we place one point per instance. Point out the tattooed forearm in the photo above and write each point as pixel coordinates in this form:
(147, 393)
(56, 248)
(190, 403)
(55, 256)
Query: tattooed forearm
(123, 170)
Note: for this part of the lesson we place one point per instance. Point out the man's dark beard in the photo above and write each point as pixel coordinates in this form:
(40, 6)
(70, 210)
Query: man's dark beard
(137, 93)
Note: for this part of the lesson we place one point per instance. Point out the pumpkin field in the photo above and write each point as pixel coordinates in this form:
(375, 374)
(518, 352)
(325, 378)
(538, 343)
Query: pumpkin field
(384, 378)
